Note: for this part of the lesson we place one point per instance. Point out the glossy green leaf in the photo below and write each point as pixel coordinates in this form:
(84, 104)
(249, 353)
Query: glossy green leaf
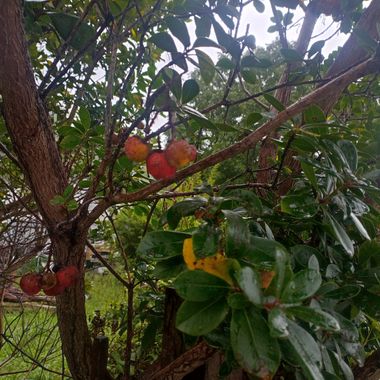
(278, 323)
(199, 318)
(179, 29)
(190, 90)
(237, 234)
(303, 285)
(314, 316)
(206, 66)
(360, 226)
(183, 208)
(306, 351)
(340, 234)
(164, 41)
(199, 286)
(299, 205)
(161, 245)
(255, 350)
(343, 293)
(250, 283)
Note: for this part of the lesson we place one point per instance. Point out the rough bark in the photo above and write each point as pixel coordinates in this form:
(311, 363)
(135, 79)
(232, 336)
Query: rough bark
(33, 141)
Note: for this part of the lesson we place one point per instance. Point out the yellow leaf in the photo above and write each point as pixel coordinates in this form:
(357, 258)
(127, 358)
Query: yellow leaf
(217, 265)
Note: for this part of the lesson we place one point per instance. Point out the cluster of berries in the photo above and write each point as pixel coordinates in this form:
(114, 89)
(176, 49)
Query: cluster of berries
(161, 164)
(52, 283)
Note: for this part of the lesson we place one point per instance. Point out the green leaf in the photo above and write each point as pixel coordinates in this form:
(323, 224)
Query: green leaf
(225, 63)
(206, 240)
(260, 7)
(68, 192)
(57, 200)
(252, 119)
(199, 318)
(315, 316)
(85, 117)
(178, 28)
(69, 142)
(161, 245)
(199, 286)
(237, 234)
(169, 268)
(205, 42)
(278, 323)
(164, 41)
(206, 66)
(202, 26)
(303, 285)
(314, 114)
(256, 351)
(350, 152)
(274, 102)
(305, 349)
(190, 90)
(344, 293)
(71, 205)
(250, 283)
(64, 23)
(369, 253)
(360, 226)
(310, 174)
(299, 206)
(262, 251)
(369, 303)
(303, 253)
(253, 61)
(225, 40)
(183, 208)
(173, 81)
(315, 48)
(237, 301)
(248, 75)
(291, 55)
(340, 234)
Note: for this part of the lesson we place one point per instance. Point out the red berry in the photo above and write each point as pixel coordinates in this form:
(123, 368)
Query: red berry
(179, 153)
(55, 290)
(66, 276)
(49, 280)
(31, 283)
(158, 166)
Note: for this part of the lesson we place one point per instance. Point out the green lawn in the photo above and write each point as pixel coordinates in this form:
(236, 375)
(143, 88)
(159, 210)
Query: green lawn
(33, 335)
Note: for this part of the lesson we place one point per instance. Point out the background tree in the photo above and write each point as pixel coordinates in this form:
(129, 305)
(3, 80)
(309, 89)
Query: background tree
(78, 78)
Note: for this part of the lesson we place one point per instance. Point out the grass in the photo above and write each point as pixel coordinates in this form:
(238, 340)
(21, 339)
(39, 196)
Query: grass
(32, 333)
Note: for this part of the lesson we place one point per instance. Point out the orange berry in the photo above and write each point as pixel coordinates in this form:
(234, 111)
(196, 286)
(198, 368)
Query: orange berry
(136, 149)
(179, 153)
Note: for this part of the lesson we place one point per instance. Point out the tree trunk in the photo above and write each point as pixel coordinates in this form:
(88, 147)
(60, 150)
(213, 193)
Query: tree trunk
(30, 130)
